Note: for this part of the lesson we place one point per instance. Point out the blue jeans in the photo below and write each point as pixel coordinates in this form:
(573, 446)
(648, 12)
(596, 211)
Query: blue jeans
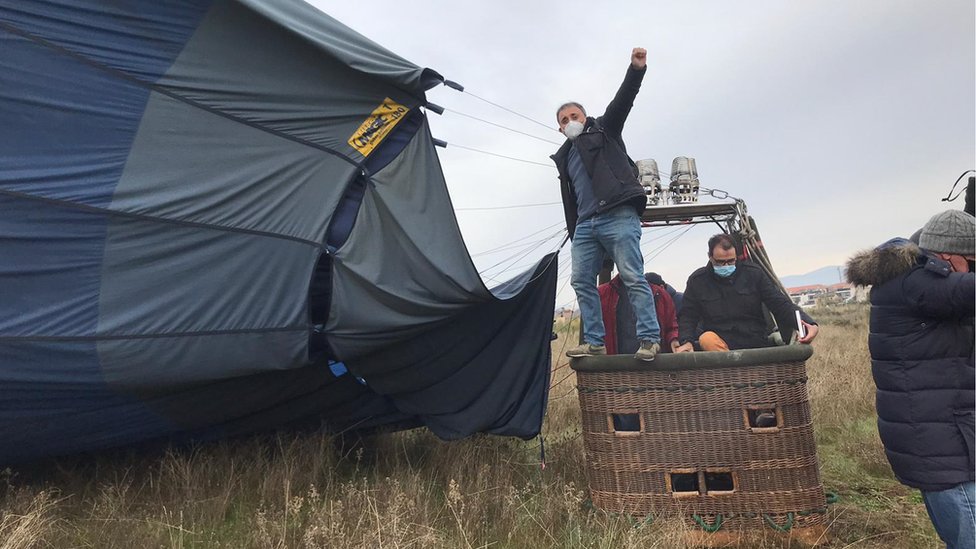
(952, 512)
(616, 233)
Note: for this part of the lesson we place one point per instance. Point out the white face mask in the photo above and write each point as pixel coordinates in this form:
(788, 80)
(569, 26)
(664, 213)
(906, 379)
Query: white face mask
(573, 129)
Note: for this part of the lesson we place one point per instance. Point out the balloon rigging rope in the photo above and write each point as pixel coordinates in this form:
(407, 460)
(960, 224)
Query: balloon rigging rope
(514, 258)
(503, 156)
(508, 207)
(513, 130)
(492, 103)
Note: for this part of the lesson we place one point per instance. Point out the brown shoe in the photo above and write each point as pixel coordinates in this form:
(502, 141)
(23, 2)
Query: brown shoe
(648, 350)
(586, 349)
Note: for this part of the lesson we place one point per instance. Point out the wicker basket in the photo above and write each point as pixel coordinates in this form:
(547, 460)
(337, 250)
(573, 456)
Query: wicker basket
(725, 439)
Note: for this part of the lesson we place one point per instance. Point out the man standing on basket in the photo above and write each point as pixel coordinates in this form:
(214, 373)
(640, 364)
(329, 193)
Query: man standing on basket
(603, 200)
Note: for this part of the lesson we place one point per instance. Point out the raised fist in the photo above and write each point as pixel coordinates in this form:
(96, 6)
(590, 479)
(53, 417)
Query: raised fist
(638, 58)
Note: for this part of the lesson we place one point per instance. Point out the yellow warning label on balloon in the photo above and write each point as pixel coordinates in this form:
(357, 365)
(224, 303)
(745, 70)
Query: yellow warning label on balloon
(379, 124)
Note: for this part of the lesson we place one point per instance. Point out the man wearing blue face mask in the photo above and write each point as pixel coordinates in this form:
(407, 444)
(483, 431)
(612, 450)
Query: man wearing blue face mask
(603, 200)
(725, 299)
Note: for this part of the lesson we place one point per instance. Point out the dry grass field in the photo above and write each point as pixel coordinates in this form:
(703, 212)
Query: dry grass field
(409, 490)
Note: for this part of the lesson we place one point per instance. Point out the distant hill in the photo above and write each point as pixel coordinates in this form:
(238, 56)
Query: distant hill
(824, 275)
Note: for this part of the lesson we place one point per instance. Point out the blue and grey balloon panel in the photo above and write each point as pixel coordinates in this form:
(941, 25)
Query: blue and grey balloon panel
(176, 176)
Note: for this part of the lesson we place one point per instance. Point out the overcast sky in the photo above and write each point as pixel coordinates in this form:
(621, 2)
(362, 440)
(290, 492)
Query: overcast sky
(841, 124)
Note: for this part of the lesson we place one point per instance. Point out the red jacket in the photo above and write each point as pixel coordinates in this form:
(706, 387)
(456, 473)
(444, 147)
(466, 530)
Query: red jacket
(664, 305)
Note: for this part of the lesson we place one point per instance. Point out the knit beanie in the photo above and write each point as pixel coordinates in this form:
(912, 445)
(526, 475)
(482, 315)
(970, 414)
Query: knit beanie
(950, 232)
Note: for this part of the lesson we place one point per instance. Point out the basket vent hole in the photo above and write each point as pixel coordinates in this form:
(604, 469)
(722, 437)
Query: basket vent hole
(719, 482)
(763, 418)
(684, 483)
(626, 423)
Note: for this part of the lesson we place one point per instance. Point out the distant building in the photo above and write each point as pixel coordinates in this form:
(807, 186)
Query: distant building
(843, 290)
(807, 296)
(822, 294)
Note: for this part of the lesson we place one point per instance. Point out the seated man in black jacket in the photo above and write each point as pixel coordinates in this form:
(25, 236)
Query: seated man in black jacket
(725, 300)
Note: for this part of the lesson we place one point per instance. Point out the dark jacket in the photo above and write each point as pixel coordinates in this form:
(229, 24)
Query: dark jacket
(921, 345)
(602, 151)
(733, 307)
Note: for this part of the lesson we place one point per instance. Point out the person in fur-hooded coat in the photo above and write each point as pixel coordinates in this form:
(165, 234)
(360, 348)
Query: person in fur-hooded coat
(921, 343)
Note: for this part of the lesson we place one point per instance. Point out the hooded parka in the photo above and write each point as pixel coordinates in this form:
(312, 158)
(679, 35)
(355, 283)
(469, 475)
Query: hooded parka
(921, 344)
